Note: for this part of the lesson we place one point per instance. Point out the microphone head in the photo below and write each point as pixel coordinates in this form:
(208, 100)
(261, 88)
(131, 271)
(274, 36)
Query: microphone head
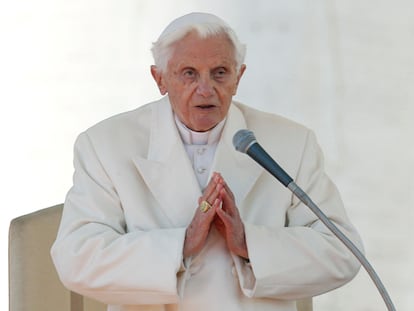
(243, 139)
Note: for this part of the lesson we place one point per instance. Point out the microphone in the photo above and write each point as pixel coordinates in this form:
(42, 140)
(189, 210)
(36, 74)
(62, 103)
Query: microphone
(245, 142)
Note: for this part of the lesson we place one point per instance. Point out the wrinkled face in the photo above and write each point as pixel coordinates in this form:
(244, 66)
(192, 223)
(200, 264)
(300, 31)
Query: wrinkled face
(201, 79)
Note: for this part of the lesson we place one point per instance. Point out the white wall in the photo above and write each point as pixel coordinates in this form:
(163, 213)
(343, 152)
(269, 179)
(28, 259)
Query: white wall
(344, 68)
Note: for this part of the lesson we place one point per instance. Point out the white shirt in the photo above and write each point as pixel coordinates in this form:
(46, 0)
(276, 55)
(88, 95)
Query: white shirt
(200, 147)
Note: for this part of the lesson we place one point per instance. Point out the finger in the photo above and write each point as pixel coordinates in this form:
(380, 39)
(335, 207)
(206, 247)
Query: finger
(228, 190)
(210, 191)
(216, 203)
(214, 195)
(223, 216)
(206, 211)
(226, 187)
(210, 187)
(218, 223)
(232, 225)
(229, 205)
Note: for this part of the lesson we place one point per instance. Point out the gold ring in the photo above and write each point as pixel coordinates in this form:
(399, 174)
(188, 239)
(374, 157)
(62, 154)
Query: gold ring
(205, 206)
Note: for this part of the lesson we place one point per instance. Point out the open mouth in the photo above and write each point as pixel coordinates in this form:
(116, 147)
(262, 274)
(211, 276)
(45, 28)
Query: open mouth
(206, 106)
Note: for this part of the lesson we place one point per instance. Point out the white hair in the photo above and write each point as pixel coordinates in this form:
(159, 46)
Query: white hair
(205, 25)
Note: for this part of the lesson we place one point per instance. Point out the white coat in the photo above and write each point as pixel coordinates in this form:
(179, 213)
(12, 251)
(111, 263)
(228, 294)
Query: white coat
(122, 232)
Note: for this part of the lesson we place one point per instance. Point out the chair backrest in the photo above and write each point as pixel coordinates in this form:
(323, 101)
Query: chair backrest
(304, 304)
(33, 282)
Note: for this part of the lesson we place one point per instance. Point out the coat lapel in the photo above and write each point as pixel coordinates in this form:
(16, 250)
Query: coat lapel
(167, 170)
(239, 171)
(169, 174)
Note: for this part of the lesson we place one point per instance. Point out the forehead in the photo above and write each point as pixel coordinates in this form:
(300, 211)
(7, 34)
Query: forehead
(194, 50)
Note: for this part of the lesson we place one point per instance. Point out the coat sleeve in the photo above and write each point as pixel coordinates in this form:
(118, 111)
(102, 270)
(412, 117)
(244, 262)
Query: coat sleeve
(304, 258)
(96, 256)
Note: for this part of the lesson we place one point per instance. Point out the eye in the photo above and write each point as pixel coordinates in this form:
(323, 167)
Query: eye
(189, 73)
(220, 73)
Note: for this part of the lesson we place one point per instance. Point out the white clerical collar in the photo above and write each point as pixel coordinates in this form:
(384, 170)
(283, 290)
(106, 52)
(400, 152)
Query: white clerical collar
(191, 137)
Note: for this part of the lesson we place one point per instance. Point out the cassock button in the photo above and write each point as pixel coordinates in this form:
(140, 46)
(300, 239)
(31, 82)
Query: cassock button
(201, 170)
(201, 150)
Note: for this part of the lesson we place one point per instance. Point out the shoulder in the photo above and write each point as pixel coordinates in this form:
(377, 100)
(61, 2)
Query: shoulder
(267, 125)
(125, 132)
(136, 122)
(138, 117)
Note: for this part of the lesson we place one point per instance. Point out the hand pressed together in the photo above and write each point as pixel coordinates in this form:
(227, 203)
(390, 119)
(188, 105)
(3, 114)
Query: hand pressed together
(223, 214)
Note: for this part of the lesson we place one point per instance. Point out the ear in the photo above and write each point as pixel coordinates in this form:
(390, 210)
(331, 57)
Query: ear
(239, 75)
(158, 77)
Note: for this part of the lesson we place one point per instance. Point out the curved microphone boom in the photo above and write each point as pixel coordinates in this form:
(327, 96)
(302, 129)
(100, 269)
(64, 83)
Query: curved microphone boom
(245, 142)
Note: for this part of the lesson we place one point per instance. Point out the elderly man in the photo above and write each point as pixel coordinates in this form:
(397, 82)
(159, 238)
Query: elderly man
(164, 214)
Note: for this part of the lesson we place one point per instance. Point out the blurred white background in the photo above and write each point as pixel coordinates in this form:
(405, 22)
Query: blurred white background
(344, 68)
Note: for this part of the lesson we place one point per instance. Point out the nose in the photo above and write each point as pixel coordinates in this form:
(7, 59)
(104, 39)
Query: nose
(205, 87)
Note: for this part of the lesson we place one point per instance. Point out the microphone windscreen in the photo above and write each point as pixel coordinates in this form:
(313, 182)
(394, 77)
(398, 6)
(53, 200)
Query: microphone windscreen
(243, 139)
